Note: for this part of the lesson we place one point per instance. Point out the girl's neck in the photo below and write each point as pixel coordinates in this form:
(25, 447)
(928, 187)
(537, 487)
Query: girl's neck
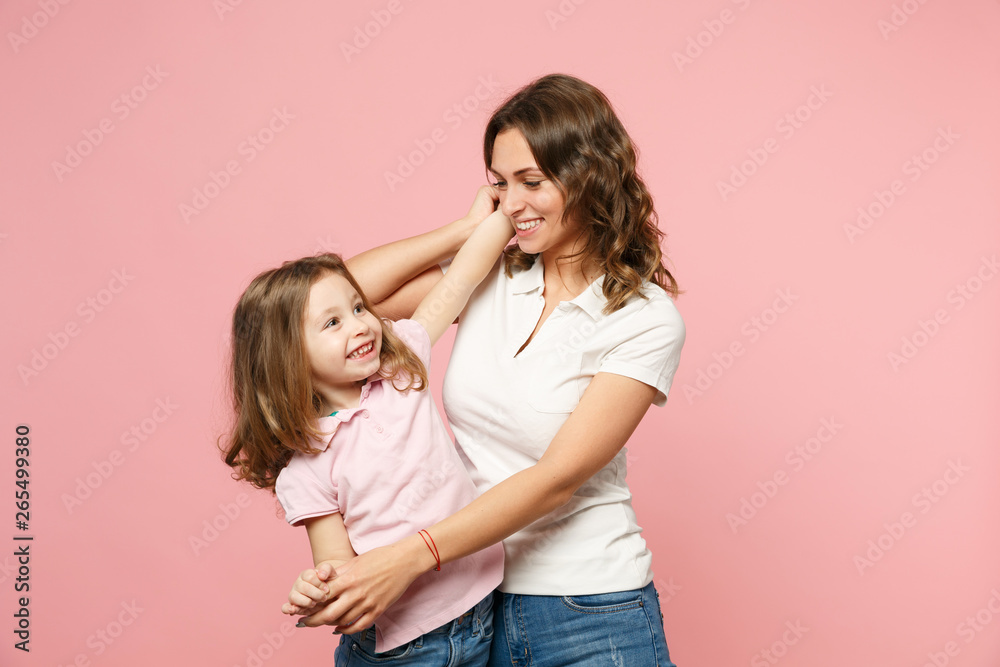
(340, 398)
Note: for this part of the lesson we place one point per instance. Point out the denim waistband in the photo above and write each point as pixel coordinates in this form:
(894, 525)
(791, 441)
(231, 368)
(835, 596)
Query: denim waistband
(485, 606)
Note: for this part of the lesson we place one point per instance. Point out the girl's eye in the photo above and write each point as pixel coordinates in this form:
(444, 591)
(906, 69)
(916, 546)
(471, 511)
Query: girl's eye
(500, 185)
(332, 323)
(532, 184)
(360, 308)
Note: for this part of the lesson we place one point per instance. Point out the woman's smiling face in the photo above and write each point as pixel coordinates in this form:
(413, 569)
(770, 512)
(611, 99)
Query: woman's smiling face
(529, 198)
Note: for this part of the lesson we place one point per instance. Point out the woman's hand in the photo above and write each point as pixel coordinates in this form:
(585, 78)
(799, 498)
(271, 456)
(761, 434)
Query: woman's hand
(365, 586)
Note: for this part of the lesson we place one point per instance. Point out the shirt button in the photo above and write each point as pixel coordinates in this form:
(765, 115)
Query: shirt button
(378, 429)
(364, 414)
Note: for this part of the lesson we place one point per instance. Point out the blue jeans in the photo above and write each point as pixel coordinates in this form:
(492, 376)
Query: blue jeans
(464, 641)
(610, 629)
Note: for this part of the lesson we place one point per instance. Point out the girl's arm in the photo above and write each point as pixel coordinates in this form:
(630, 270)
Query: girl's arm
(448, 297)
(331, 547)
(398, 275)
(609, 411)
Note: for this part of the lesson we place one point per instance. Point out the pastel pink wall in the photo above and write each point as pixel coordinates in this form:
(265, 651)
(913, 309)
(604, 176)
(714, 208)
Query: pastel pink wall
(822, 484)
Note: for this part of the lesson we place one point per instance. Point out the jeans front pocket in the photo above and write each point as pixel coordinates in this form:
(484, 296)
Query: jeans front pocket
(361, 647)
(484, 617)
(604, 603)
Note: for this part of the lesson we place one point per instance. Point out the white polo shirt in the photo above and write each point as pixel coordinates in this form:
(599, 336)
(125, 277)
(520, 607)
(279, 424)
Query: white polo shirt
(504, 409)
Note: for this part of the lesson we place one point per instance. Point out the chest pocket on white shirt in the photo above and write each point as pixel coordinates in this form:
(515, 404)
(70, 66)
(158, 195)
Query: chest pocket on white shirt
(554, 383)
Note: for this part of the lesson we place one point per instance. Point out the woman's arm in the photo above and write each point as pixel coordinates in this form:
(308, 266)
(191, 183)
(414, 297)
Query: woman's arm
(398, 275)
(609, 411)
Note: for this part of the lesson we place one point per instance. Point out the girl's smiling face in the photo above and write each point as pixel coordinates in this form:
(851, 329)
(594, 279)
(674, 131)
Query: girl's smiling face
(529, 198)
(343, 341)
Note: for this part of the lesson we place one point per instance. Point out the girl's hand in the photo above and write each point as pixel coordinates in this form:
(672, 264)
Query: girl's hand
(485, 203)
(364, 588)
(311, 590)
(499, 224)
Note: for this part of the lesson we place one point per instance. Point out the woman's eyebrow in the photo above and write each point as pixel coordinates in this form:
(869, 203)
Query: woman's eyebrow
(518, 172)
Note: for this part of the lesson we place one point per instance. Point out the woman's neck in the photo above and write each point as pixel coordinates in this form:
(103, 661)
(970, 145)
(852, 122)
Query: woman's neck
(567, 277)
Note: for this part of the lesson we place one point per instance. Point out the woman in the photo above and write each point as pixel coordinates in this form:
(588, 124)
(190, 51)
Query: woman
(558, 355)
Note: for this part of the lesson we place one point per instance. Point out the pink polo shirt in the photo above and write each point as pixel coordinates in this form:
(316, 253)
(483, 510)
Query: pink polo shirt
(390, 469)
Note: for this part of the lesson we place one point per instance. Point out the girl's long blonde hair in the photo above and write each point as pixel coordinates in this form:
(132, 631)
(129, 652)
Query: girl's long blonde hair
(273, 397)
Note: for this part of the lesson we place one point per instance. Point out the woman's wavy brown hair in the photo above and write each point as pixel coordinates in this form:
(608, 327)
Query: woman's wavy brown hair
(578, 142)
(273, 397)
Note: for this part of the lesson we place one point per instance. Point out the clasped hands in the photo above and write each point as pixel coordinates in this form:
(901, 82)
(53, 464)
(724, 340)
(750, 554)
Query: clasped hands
(310, 592)
(349, 594)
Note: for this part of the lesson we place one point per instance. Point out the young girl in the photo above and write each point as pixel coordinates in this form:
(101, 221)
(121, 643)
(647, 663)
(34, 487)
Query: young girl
(333, 414)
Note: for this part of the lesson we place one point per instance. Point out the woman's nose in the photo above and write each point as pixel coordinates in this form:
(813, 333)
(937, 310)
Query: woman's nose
(510, 203)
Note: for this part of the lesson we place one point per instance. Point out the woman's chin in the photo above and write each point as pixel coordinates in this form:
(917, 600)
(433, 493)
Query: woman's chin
(528, 245)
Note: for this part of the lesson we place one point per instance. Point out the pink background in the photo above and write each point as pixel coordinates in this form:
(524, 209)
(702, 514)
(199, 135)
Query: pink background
(117, 574)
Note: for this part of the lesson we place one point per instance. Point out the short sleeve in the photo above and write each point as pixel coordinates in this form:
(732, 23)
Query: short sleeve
(302, 493)
(416, 338)
(652, 352)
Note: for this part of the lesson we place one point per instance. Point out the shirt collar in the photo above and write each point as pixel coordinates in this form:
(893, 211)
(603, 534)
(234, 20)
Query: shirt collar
(528, 280)
(591, 300)
(328, 425)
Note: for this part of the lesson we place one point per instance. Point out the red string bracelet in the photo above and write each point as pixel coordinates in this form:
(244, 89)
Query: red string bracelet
(434, 550)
